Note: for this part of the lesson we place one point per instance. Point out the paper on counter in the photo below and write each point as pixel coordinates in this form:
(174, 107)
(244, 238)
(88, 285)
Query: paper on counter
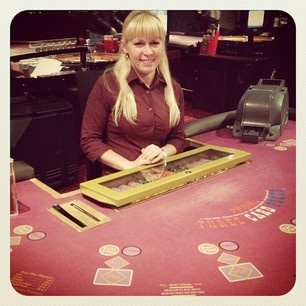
(46, 66)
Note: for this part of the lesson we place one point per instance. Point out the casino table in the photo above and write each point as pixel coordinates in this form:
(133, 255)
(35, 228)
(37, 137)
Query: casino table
(232, 234)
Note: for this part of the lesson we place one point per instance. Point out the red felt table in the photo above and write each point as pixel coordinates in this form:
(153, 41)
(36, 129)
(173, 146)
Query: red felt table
(230, 234)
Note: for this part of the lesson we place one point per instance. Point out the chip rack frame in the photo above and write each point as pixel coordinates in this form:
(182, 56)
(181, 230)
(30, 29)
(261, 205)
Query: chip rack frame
(99, 188)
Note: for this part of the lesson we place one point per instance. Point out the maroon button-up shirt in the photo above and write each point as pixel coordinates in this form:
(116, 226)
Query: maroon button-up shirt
(99, 132)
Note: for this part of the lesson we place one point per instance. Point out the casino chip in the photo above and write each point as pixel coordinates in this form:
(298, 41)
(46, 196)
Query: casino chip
(269, 144)
(208, 248)
(35, 236)
(280, 148)
(288, 228)
(229, 245)
(131, 251)
(109, 250)
(23, 229)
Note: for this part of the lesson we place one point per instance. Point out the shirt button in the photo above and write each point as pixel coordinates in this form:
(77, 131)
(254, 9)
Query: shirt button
(150, 109)
(148, 91)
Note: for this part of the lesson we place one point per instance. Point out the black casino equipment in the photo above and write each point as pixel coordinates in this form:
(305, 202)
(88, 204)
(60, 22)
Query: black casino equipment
(209, 123)
(43, 134)
(262, 112)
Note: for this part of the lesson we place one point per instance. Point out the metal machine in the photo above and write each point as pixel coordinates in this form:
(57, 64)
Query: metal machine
(262, 112)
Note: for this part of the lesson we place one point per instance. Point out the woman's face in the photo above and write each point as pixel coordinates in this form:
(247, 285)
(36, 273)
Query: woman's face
(145, 54)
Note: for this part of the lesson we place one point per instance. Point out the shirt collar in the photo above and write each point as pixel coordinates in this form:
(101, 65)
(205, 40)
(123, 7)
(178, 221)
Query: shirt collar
(133, 77)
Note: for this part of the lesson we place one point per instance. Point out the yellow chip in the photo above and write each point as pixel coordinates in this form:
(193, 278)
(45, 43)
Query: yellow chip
(288, 228)
(23, 229)
(208, 248)
(109, 250)
(280, 148)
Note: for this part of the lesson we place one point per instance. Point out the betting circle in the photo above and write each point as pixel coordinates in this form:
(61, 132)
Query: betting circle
(229, 245)
(131, 251)
(109, 250)
(208, 248)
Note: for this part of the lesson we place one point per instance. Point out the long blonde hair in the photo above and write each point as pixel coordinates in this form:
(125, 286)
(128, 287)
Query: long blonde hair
(141, 24)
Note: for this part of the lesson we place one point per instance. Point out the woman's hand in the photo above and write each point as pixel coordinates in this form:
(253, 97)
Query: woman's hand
(153, 154)
(149, 155)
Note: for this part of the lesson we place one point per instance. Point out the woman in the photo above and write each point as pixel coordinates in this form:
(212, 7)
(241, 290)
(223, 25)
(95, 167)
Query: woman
(135, 112)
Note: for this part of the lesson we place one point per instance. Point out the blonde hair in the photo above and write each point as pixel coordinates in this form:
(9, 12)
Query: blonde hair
(141, 24)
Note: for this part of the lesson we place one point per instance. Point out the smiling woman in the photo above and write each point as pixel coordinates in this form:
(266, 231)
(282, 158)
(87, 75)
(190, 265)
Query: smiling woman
(135, 113)
(140, 28)
(145, 55)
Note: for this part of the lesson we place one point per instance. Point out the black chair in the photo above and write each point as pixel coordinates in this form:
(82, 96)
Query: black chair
(85, 81)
